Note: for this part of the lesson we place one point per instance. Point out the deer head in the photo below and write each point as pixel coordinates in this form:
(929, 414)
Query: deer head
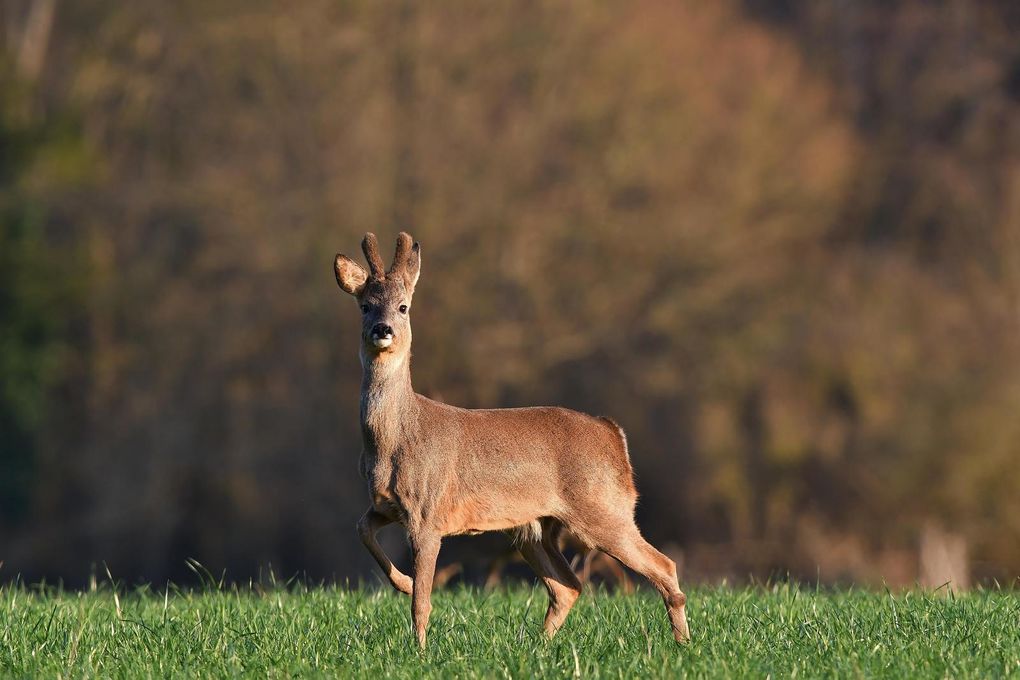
(384, 296)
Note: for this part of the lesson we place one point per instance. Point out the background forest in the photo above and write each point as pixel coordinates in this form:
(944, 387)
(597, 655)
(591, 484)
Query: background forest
(778, 241)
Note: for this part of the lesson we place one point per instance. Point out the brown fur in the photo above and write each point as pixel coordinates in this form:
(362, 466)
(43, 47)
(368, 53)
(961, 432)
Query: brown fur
(440, 470)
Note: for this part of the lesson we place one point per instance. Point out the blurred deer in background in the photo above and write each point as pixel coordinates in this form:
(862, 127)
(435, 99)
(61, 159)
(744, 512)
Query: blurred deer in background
(440, 470)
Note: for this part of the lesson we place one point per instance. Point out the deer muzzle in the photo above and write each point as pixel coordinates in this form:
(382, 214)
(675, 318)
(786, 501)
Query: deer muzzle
(381, 336)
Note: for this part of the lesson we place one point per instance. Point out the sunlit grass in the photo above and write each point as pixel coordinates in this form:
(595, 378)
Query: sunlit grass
(779, 631)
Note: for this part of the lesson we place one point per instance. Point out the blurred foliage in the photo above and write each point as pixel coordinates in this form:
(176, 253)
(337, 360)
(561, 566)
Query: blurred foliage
(39, 157)
(777, 242)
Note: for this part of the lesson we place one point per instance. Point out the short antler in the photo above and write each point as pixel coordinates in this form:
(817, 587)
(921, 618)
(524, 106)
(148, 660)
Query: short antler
(400, 257)
(406, 261)
(371, 247)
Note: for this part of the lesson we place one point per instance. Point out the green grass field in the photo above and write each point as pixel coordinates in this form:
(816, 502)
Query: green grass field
(780, 631)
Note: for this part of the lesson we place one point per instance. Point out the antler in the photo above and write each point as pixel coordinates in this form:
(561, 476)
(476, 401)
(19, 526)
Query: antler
(371, 248)
(400, 257)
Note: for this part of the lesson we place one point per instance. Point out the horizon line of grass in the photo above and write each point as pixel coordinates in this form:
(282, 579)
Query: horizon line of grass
(267, 579)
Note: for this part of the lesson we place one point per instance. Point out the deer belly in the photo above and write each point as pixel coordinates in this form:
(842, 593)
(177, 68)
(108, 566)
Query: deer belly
(472, 517)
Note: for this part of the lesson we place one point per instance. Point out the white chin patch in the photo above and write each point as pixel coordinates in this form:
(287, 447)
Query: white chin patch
(382, 343)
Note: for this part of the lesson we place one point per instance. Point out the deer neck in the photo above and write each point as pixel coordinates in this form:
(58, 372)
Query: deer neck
(387, 402)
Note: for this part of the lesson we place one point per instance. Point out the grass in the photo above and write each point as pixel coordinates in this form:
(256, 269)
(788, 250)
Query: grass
(778, 631)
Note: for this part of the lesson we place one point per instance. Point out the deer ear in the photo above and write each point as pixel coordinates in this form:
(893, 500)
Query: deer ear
(349, 275)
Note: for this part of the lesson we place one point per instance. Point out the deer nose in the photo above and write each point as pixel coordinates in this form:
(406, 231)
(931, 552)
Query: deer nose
(382, 335)
(381, 330)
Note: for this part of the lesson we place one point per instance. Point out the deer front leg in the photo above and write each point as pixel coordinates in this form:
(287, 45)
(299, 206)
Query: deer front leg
(426, 550)
(370, 523)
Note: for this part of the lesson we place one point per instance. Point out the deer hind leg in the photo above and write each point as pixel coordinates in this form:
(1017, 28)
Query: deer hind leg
(370, 523)
(626, 544)
(545, 558)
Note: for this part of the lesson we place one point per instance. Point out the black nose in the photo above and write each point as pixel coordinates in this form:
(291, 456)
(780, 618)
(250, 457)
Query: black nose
(381, 330)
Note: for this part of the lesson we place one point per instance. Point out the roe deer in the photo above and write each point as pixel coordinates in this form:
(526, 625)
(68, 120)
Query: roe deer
(440, 470)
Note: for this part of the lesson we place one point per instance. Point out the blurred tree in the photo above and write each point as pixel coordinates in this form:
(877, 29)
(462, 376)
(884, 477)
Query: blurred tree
(39, 157)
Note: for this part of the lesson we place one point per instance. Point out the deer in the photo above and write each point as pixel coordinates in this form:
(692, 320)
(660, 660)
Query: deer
(440, 470)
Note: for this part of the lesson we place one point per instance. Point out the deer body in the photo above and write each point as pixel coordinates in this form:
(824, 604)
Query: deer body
(440, 470)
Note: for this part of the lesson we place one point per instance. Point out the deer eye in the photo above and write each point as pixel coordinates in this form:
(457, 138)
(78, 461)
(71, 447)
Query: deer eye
(403, 309)
(364, 309)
